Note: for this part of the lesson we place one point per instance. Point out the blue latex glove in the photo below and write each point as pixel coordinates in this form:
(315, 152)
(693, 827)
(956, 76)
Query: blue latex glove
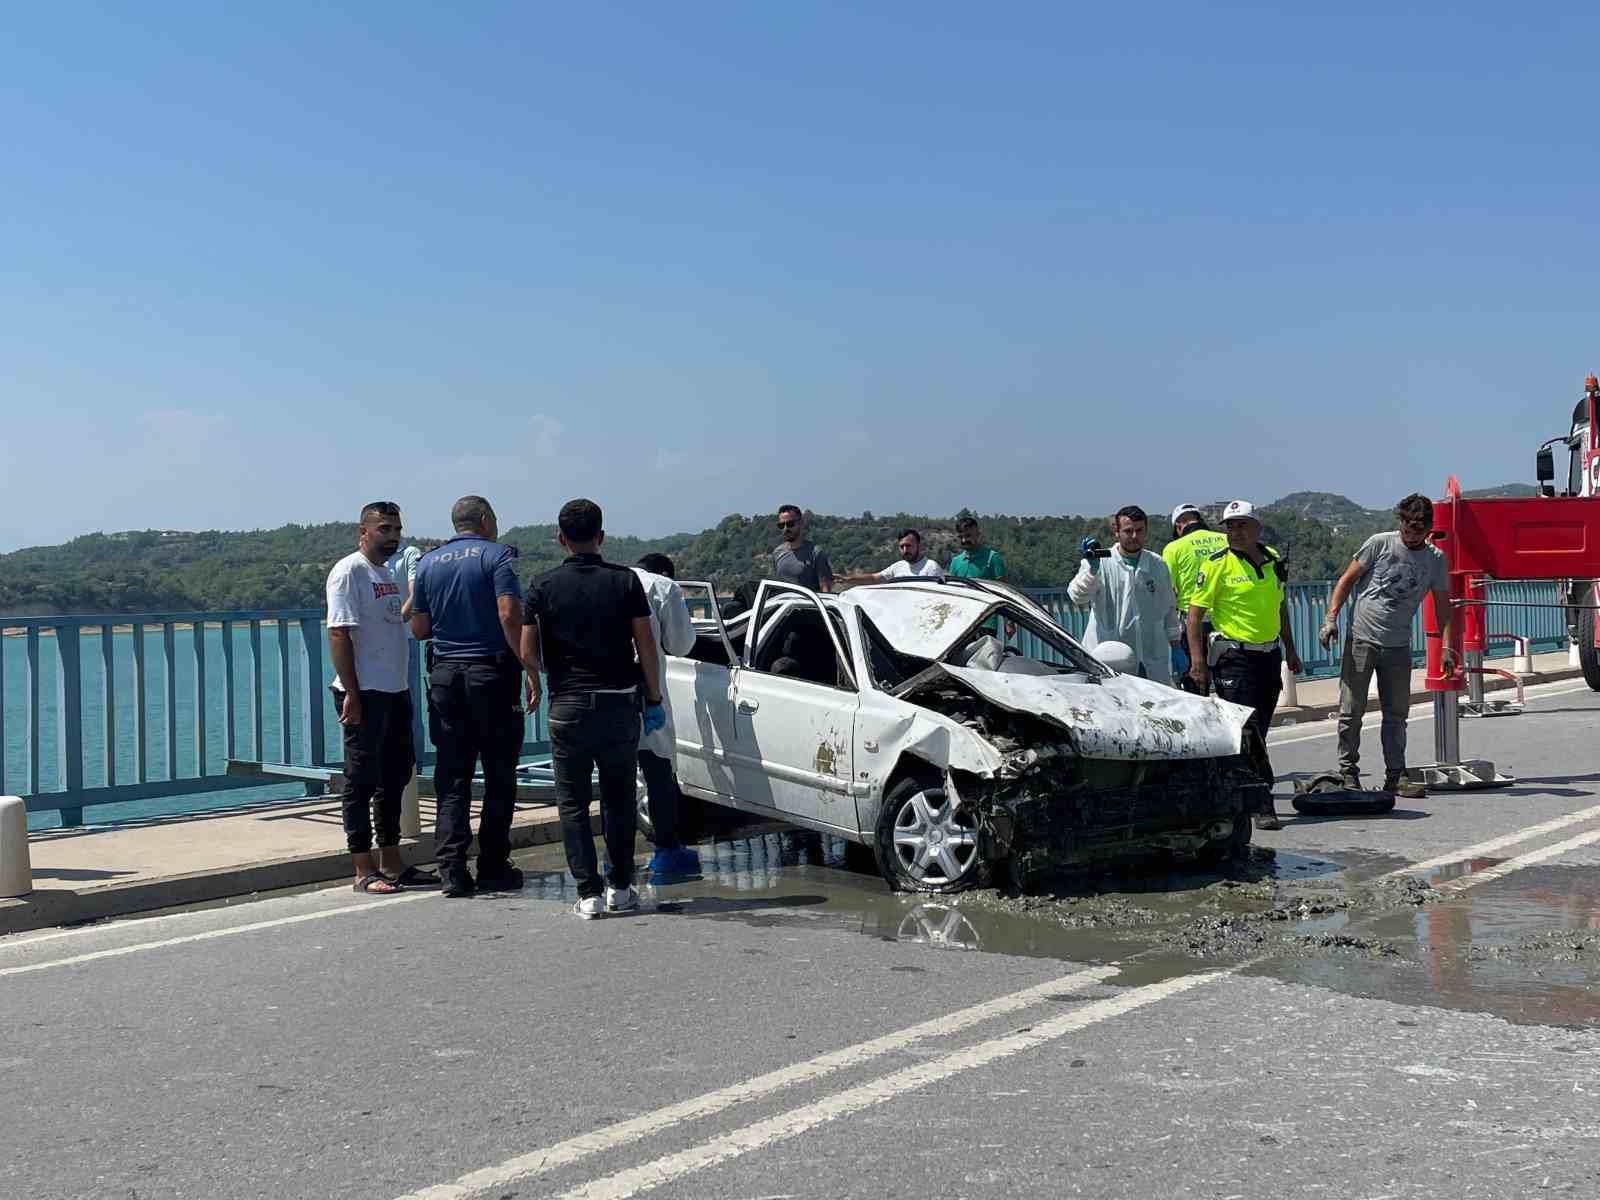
(1086, 545)
(1180, 661)
(655, 717)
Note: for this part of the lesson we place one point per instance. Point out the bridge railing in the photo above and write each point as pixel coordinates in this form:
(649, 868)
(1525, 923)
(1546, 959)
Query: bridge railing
(99, 710)
(1544, 627)
(106, 709)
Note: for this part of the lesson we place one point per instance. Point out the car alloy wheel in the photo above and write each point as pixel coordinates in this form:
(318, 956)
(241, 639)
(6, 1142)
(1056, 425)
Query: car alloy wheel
(935, 844)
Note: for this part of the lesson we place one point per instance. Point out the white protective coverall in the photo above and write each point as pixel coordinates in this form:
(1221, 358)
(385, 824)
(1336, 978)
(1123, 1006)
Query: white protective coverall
(674, 630)
(1133, 606)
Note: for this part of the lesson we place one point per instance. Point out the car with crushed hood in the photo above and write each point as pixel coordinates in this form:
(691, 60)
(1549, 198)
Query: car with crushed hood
(894, 716)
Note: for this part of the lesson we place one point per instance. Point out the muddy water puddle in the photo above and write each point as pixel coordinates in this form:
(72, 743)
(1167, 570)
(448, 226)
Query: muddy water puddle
(1525, 947)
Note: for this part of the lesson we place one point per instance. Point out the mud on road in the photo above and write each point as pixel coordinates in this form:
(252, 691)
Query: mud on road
(1526, 947)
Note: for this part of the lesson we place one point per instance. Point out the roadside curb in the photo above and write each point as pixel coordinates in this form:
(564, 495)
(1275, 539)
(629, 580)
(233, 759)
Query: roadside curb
(47, 909)
(1304, 714)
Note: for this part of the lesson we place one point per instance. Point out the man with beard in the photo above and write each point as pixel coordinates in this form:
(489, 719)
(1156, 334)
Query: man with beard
(367, 642)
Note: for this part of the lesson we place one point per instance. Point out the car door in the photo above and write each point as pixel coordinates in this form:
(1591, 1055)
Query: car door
(794, 734)
(702, 698)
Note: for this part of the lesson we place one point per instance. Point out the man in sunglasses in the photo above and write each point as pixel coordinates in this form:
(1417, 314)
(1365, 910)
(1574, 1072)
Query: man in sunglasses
(796, 559)
(1389, 576)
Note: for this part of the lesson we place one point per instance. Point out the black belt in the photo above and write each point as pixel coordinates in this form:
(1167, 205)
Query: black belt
(496, 661)
(628, 699)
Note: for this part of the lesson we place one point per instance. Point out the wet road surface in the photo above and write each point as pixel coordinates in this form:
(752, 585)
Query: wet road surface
(1321, 1021)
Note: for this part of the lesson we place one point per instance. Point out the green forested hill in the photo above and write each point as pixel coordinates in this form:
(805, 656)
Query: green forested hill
(173, 571)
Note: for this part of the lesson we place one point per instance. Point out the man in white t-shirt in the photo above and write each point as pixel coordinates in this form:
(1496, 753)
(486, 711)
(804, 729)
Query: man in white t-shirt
(912, 564)
(674, 630)
(367, 641)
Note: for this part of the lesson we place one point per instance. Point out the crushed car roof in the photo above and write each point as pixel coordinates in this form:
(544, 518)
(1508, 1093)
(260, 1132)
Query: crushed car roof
(925, 618)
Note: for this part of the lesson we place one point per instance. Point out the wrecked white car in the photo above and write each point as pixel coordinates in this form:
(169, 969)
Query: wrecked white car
(893, 716)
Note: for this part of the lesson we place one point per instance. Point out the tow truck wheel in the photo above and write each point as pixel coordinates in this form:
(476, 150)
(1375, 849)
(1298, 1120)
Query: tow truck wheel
(924, 843)
(1588, 656)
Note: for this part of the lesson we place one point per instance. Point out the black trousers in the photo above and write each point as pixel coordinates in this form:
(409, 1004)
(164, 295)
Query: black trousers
(1253, 678)
(475, 715)
(662, 787)
(590, 731)
(378, 758)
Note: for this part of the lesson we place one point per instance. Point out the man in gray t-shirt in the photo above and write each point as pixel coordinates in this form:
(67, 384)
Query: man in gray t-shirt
(796, 560)
(1389, 576)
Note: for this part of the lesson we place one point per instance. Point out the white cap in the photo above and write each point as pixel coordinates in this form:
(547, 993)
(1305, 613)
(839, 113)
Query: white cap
(1240, 510)
(1185, 508)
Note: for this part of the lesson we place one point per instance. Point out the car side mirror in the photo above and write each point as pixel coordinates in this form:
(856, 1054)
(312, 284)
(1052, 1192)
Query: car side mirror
(1544, 464)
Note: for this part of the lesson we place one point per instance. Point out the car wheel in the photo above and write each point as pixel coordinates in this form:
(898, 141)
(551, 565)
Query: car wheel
(1231, 849)
(691, 815)
(924, 842)
(1588, 656)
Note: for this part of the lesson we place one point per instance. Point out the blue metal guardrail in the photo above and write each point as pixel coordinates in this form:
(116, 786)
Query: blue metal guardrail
(1545, 628)
(101, 710)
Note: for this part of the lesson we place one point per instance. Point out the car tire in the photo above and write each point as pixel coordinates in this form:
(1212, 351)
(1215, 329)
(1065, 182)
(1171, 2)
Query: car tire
(1235, 848)
(691, 816)
(1344, 804)
(1588, 656)
(921, 844)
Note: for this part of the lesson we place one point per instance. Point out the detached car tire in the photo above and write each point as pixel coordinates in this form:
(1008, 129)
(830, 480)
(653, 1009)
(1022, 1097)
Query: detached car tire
(923, 843)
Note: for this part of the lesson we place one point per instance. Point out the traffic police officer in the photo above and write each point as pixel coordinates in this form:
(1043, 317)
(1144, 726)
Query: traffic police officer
(466, 598)
(1192, 543)
(1242, 588)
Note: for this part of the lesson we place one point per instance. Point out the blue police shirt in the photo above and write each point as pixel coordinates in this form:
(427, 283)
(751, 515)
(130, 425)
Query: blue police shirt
(457, 585)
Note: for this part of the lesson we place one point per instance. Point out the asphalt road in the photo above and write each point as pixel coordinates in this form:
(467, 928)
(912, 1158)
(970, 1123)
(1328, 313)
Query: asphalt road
(1317, 1025)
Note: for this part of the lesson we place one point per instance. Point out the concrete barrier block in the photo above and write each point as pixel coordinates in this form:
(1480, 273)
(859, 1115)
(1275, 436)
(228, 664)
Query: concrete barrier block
(16, 869)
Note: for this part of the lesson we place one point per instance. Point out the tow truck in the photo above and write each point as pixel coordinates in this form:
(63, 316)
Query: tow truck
(1582, 482)
(1548, 536)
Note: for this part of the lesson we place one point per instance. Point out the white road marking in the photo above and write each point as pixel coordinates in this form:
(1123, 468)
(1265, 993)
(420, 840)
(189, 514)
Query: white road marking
(1531, 859)
(537, 1162)
(1499, 843)
(1421, 712)
(211, 934)
(760, 1134)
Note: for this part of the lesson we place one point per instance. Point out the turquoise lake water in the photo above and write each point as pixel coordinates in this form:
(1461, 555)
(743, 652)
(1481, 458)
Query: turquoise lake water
(16, 736)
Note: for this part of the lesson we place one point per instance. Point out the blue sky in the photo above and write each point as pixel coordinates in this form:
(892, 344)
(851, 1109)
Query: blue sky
(262, 263)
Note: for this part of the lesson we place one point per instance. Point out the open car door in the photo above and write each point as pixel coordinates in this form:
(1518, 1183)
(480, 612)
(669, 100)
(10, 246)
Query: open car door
(795, 703)
(699, 690)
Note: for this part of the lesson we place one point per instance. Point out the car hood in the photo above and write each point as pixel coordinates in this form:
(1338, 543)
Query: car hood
(1122, 717)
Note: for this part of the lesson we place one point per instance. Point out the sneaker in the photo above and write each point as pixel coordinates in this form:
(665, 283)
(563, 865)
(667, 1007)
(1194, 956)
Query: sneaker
(621, 899)
(456, 881)
(504, 878)
(1351, 780)
(590, 907)
(1404, 786)
(1268, 820)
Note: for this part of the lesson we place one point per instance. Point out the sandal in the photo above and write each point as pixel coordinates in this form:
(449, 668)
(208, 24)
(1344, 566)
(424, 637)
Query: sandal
(377, 884)
(416, 877)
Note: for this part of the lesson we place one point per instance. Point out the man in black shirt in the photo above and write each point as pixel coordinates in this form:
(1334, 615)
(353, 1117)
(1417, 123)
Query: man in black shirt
(586, 626)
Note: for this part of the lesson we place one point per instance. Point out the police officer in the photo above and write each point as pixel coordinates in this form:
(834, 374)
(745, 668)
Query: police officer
(1242, 588)
(586, 625)
(466, 598)
(1191, 545)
